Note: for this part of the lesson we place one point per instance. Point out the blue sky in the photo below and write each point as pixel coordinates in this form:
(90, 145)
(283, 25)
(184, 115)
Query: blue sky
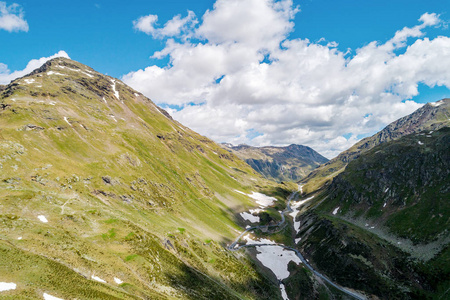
(101, 34)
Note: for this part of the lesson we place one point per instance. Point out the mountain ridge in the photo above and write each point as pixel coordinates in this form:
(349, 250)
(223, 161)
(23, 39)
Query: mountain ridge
(103, 189)
(431, 116)
(289, 163)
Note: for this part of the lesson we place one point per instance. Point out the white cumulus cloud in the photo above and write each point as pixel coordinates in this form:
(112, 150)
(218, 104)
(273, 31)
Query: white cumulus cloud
(6, 76)
(173, 27)
(237, 77)
(12, 17)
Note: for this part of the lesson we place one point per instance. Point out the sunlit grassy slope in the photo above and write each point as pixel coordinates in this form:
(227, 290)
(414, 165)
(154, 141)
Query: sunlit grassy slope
(128, 194)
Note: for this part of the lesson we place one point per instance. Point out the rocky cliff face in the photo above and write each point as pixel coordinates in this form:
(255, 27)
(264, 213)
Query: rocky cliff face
(290, 163)
(381, 226)
(431, 117)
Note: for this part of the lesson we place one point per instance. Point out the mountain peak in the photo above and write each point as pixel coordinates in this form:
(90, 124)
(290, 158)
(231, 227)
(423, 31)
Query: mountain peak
(61, 66)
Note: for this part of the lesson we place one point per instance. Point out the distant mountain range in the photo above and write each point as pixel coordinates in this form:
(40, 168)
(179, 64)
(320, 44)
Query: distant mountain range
(290, 163)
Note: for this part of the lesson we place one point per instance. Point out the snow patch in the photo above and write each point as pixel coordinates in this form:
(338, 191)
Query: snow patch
(6, 286)
(54, 73)
(335, 211)
(28, 81)
(98, 279)
(276, 258)
(19, 238)
(113, 117)
(116, 93)
(251, 241)
(436, 104)
(385, 203)
(298, 240)
(67, 121)
(420, 143)
(50, 297)
(249, 217)
(261, 199)
(295, 212)
(43, 219)
(283, 292)
(256, 210)
(117, 280)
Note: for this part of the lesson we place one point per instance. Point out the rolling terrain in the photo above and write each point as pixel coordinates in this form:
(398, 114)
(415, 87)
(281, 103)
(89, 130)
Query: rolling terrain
(105, 196)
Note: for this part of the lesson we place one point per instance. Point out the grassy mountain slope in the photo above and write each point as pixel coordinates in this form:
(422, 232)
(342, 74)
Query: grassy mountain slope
(290, 163)
(382, 225)
(431, 116)
(127, 193)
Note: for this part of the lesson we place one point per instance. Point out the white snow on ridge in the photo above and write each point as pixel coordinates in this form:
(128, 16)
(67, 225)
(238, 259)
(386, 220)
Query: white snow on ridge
(28, 81)
(116, 93)
(75, 70)
(113, 117)
(67, 121)
(335, 211)
(54, 73)
(249, 217)
(6, 286)
(50, 297)
(437, 103)
(117, 280)
(43, 219)
(276, 258)
(98, 279)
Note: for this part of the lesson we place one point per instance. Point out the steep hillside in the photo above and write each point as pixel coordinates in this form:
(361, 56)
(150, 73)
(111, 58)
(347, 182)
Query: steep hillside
(104, 196)
(290, 163)
(431, 116)
(382, 225)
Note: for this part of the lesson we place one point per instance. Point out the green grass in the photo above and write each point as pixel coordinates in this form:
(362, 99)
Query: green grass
(176, 189)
